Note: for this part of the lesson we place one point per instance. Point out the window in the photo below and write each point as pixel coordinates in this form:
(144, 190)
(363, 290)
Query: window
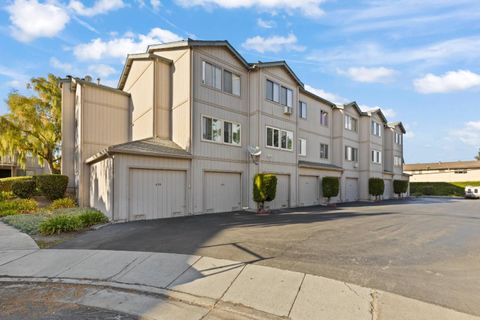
(398, 138)
(212, 131)
(376, 129)
(323, 151)
(351, 154)
(280, 94)
(324, 118)
(280, 139)
(211, 75)
(350, 123)
(376, 156)
(302, 147)
(231, 83)
(397, 161)
(302, 110)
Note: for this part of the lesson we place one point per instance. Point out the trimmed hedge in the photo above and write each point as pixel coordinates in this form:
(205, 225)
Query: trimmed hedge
(400, 187)
(441, 188)
(6, 183)
(52, 186)
(330, 187)
(24, 189)
(264, 187)
(376, 187)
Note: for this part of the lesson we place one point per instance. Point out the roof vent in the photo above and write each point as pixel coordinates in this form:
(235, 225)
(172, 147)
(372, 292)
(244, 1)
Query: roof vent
(88, 78)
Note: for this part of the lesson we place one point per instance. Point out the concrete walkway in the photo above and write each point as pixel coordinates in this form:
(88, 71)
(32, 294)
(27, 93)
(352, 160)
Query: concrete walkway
(196, 286)
(12, 239)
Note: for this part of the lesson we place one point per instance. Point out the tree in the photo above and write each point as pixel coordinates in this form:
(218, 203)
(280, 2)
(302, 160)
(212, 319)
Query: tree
(33, 124)
(477, 157)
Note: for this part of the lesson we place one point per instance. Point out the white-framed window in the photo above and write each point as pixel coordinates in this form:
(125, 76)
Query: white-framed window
(231, 82)
(376, 129)
(398, 138)
(302, 147)
(212, 77)
(376, 156)
(279, 139)
(323, 151)
(324, 118)
(351, 154)
(221, 131)
(397, 161)
(350, 123)
(279, 94)
(302, 110)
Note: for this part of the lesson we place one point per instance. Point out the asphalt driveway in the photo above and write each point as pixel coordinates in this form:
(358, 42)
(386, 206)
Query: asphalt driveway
(427, 249)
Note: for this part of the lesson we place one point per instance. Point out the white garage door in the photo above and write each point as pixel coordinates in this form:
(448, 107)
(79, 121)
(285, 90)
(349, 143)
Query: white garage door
(222, 192)
(387, 194)
(351, 189)
(309, 192)
(282, 196)
(156, 194)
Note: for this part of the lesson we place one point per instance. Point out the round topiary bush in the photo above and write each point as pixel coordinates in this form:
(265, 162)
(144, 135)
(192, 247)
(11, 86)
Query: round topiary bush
(376, 187)
(330, 187)
(24, 189)
(52, 186)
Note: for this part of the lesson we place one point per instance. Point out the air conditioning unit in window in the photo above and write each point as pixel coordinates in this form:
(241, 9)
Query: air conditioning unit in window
(287, 110)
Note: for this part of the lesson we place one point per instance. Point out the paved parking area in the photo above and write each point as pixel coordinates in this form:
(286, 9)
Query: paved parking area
(427, 249)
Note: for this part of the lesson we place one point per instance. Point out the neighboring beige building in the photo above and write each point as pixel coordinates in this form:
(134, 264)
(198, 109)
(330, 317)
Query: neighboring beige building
(9, 167)
(459, 171)
(173, 138)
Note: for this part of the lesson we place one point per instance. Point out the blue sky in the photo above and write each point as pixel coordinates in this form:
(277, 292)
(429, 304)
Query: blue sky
(417, 60)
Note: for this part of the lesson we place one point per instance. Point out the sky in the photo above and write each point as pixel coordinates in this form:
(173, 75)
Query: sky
(417, 60)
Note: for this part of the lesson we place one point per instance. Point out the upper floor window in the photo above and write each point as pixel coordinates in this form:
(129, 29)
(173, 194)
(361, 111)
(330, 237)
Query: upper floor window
(280, 139)
(302, 110)
(376, 129)
(351, 154)
(350, 123)
(324, 151)
(397, 161)
(302, 147)
(376, 156)
(212, 77)
(324, 118)
(398, 138)
(279, 94)
(221, 131)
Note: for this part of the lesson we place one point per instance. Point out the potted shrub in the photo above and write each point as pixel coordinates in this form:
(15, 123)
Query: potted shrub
(264, 189)
(376, 187)
(330, 188)
(400, 187)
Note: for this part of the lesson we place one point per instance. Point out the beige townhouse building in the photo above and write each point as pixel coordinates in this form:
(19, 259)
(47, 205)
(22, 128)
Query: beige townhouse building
(176, 136)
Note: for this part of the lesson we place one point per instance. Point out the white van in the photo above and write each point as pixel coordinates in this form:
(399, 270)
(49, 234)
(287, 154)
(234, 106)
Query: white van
(472, 192)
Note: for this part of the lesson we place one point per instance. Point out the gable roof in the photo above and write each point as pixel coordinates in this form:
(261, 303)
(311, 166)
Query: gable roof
(317, 97)
(272, 64)
(379, 112)
(355, 106)
(136, 57)
(442, 165)
(398, 124)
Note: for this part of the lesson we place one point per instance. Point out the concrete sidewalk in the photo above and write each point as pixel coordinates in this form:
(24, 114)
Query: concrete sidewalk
(202, 284)
(12, 239)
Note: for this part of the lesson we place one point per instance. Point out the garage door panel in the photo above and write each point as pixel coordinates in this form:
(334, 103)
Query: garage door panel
(351, 190)
(282, 197)
(157, 194)
(222, 192)
(388, 189)
(308, 190)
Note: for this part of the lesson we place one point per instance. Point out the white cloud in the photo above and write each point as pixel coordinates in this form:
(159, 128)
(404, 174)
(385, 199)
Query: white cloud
(363, 74)
(309, 8)
(451, 81)
(469, 134)
(101, 70)
(266, 24)
(31, 19)
(326, 95)
(155, 4)
(57, 64)
(99, 7)
(273, 44)
(119, 47)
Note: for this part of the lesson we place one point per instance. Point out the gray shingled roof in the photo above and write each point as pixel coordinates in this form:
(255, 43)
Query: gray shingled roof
(310, 164)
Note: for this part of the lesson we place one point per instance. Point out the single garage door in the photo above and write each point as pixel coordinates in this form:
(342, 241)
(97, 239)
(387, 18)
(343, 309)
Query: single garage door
(309, 192)
(222, 192)
(156, 194)
(351, 189)
(282, 196)
(388, 189)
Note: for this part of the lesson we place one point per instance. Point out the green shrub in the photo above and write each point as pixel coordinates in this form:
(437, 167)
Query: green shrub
(62, 204)
(60, 223)
(441, 188)
(6, 183)
(92, 217)
(400, 187)
(4, 195)
(17, 206)
(330, 187)
(28, 223)
(264, 188)
(52, 186)
(24, 189)
(376, 187)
